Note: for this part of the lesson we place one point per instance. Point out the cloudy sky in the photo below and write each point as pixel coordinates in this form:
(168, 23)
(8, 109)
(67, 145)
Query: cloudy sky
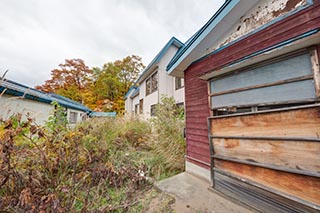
(37, 35)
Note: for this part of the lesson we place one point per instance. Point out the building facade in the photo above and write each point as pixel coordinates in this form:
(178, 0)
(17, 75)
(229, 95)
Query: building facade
(17, 98)
(153, 83)
(252, 88)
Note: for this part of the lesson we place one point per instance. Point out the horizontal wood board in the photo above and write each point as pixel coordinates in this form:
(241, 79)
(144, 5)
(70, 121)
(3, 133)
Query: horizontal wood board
(293, 155)
(303, 123)
(299, 186)
(257, 198)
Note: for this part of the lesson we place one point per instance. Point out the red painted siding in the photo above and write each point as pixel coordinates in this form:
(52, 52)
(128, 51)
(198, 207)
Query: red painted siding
(196, 91)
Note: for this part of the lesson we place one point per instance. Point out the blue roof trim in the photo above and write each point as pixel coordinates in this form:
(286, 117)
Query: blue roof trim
(17, 89)
(223, 10)
(135, 93)
(173, 41)
(129, 91)
(276, 46)
(254, 31)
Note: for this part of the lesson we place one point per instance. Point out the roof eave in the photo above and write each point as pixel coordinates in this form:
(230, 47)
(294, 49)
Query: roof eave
(180, 62)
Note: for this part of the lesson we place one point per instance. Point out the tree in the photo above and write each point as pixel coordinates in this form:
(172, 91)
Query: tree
(71, 79)
(114, 79)
(129, 69)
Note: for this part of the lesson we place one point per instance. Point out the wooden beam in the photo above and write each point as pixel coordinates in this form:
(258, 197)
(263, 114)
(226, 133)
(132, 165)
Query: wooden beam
(316, 71)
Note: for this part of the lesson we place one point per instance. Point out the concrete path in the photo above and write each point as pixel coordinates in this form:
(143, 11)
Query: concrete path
(194, 195)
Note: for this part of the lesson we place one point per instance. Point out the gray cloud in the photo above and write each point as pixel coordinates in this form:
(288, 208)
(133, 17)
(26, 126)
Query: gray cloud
(37, 35)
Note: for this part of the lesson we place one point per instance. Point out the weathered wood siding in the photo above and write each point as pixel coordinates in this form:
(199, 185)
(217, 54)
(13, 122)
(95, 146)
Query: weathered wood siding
(197, 104)
(290, 27)
(197, 112)
(276, 151)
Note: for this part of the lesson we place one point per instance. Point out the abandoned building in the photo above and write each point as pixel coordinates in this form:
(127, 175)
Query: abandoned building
(252, 89)
(18, 98)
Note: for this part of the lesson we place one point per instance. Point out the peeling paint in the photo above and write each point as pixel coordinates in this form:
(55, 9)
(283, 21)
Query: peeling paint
(262, 13)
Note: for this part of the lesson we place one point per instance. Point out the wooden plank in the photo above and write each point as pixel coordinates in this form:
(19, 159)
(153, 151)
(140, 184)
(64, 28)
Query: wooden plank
(299, 186)
(300, 90)
(303, 123)
(256, 197)
(287, 154)
(201, 157)
(316, 71)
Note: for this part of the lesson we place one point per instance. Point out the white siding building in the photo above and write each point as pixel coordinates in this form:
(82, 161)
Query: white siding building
(17, 98)
(154, 83)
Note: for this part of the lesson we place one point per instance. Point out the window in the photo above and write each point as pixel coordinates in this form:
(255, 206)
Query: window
(179, 83)
(152, 84)
(136, 108)
(153, 109)
(141, 106)
(280, 82)
(180, 108)
(73, 117)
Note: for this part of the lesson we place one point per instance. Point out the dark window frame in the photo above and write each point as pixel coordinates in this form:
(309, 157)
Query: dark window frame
(73, 117)
(152, 83)
(178, 83)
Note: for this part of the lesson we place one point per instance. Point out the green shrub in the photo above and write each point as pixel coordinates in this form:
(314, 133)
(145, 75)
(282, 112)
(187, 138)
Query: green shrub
(170, 146)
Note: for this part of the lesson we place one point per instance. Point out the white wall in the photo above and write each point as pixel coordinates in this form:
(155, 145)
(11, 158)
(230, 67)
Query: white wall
(178, 95)
(10, 105)
(135, 101)
(39, 111)
(166, 86)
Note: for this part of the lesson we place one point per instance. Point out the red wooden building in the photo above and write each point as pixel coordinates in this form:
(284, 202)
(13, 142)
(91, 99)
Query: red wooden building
(252, 89)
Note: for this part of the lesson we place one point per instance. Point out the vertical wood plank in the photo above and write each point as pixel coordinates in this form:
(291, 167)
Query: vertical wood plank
(316, 71)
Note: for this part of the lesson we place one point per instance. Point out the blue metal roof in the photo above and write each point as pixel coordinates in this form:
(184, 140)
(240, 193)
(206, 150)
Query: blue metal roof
(173, 41)
(16, 89)
(199, 34)
(135, 92)
(129, 91)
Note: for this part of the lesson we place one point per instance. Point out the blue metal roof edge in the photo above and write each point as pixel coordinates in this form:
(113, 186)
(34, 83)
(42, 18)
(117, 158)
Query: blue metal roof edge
(173, 41)
(130, 89)
(64, 101)
(227, 6)
(279, 45)
(17, 89)
(135, 93)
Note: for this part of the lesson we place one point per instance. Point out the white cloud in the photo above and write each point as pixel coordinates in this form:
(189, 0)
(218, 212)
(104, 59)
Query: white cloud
(37, 35)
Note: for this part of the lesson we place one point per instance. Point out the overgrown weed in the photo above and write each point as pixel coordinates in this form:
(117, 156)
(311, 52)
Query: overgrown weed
(100, 165)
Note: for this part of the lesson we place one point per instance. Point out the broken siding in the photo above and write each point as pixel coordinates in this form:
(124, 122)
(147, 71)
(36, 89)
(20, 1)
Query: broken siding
(288, 28)
(262, 13)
